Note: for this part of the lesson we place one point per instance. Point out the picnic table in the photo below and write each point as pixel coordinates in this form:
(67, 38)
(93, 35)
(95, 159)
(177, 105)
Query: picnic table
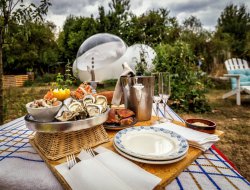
(22, 168)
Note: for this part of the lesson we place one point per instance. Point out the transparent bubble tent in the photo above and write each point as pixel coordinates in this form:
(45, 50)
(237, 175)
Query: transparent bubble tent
(104, 54)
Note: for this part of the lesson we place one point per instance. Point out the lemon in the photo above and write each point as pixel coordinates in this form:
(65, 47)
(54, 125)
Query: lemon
(61, 94)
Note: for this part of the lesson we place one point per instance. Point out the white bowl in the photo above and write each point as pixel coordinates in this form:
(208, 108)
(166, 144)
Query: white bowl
(43, 114)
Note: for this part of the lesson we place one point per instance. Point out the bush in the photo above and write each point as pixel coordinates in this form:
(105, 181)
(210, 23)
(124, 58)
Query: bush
(77, 82)
(38, 79)
(188, 81)
(110, 82)
(46, 78)
(221, 84)
(27, 83)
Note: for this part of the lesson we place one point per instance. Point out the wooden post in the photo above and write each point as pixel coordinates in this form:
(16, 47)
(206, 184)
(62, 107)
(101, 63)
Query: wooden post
(31, 76)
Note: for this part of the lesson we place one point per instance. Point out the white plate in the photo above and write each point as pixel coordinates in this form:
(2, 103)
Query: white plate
(151, 143)
(149, 161)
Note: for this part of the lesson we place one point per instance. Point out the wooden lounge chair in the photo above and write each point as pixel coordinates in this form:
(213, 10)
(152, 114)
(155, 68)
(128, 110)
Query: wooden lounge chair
(239, 72)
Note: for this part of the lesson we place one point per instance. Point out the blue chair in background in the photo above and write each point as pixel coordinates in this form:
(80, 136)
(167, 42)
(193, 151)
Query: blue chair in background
(239, 72)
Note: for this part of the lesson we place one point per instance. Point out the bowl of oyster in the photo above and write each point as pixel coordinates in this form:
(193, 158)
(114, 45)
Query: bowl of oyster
(82, 110)
(74, 115)
(44, 110)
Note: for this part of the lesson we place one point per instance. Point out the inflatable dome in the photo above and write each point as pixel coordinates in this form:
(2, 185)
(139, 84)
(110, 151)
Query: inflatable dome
(105, 53)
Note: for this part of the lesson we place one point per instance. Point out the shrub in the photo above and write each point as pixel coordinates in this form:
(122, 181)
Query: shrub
(38, 79)
(188, 81)
(77, 82)
(110, 82)
(28, 83)
(47, 77)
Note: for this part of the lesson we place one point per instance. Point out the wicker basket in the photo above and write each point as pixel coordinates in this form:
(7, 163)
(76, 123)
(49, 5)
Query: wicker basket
(57, 145)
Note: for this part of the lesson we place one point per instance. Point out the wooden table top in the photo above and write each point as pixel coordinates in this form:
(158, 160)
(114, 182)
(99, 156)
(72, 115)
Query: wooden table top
(167, 172)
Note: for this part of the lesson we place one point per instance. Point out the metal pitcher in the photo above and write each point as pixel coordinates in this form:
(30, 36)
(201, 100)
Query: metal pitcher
(138, 95)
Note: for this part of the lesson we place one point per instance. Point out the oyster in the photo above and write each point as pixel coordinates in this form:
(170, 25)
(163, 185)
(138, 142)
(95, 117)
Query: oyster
(89, 106)
(60, 112)
(42, 103)
(76, 107)
(88, 99)
(82, 115)
(67, 116)
(73, 111)
(93, 109)
(68, 101)
(101, 100)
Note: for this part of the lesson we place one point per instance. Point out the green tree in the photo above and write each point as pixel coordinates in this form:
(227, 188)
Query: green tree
(20, 12)
(199, 41)
(235, 21)
(188, 83)
(36, 48)
(247, 49)
(75, 31)
(103, 21)
(152, 28)
(192, 24)
(118, 15)
(116, 19)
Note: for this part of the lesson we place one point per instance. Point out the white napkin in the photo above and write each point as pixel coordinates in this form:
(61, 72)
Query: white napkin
(106, 171)
(116, 100)
(196, 139)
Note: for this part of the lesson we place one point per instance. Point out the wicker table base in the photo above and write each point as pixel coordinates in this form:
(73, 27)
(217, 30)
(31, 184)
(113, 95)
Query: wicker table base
(57, 145)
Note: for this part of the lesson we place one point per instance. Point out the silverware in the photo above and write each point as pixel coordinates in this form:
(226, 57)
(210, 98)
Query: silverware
(90, 152)
(71, 160)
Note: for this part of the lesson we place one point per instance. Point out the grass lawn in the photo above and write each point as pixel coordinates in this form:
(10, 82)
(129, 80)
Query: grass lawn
(232, 119)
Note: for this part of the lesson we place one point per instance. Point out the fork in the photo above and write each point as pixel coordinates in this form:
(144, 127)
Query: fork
(71, 160)
(90, 152)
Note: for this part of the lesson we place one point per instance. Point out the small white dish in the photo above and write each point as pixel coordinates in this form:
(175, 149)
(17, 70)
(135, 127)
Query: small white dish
(151, 143)
(43, 114)
(149, 161)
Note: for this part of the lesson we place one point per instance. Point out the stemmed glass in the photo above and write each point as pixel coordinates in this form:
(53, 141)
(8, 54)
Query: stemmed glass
(164, 91)
(156, 94)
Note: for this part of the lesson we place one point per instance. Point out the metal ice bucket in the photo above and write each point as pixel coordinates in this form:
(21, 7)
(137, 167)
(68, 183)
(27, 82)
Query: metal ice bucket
(138, 95)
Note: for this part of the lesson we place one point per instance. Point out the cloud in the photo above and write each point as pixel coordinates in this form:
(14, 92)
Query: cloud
(63, 7)
(207, 11)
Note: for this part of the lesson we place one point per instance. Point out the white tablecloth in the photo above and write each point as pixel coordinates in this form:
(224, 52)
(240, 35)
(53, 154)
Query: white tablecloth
(22, 168)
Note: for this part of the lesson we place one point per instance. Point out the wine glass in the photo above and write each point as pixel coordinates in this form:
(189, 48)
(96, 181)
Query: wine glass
(164, 90)
(156, 95)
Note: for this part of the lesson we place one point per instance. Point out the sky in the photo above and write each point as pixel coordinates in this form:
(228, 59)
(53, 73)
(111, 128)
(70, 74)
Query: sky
(208, 11)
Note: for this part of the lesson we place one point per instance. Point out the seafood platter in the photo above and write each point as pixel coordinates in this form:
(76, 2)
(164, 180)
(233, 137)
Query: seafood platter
(119, 119)
(67, 111)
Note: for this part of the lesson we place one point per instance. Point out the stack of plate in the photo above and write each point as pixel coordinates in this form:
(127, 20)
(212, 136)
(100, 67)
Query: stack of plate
(151, 145)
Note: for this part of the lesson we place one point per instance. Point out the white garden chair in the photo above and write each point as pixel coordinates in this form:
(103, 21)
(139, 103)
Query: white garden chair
(239, 72)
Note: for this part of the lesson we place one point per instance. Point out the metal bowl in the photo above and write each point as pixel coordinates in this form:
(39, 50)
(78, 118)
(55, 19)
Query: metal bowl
(67, 126)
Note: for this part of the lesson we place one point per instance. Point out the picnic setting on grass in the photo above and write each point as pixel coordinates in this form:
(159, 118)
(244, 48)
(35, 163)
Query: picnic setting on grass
(126, 116)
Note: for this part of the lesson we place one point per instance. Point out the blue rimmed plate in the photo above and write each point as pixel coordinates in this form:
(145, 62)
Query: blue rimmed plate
(149, 161)
(151, 143)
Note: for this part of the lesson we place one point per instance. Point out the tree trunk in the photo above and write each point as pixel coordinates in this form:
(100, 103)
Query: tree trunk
(1, 81)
